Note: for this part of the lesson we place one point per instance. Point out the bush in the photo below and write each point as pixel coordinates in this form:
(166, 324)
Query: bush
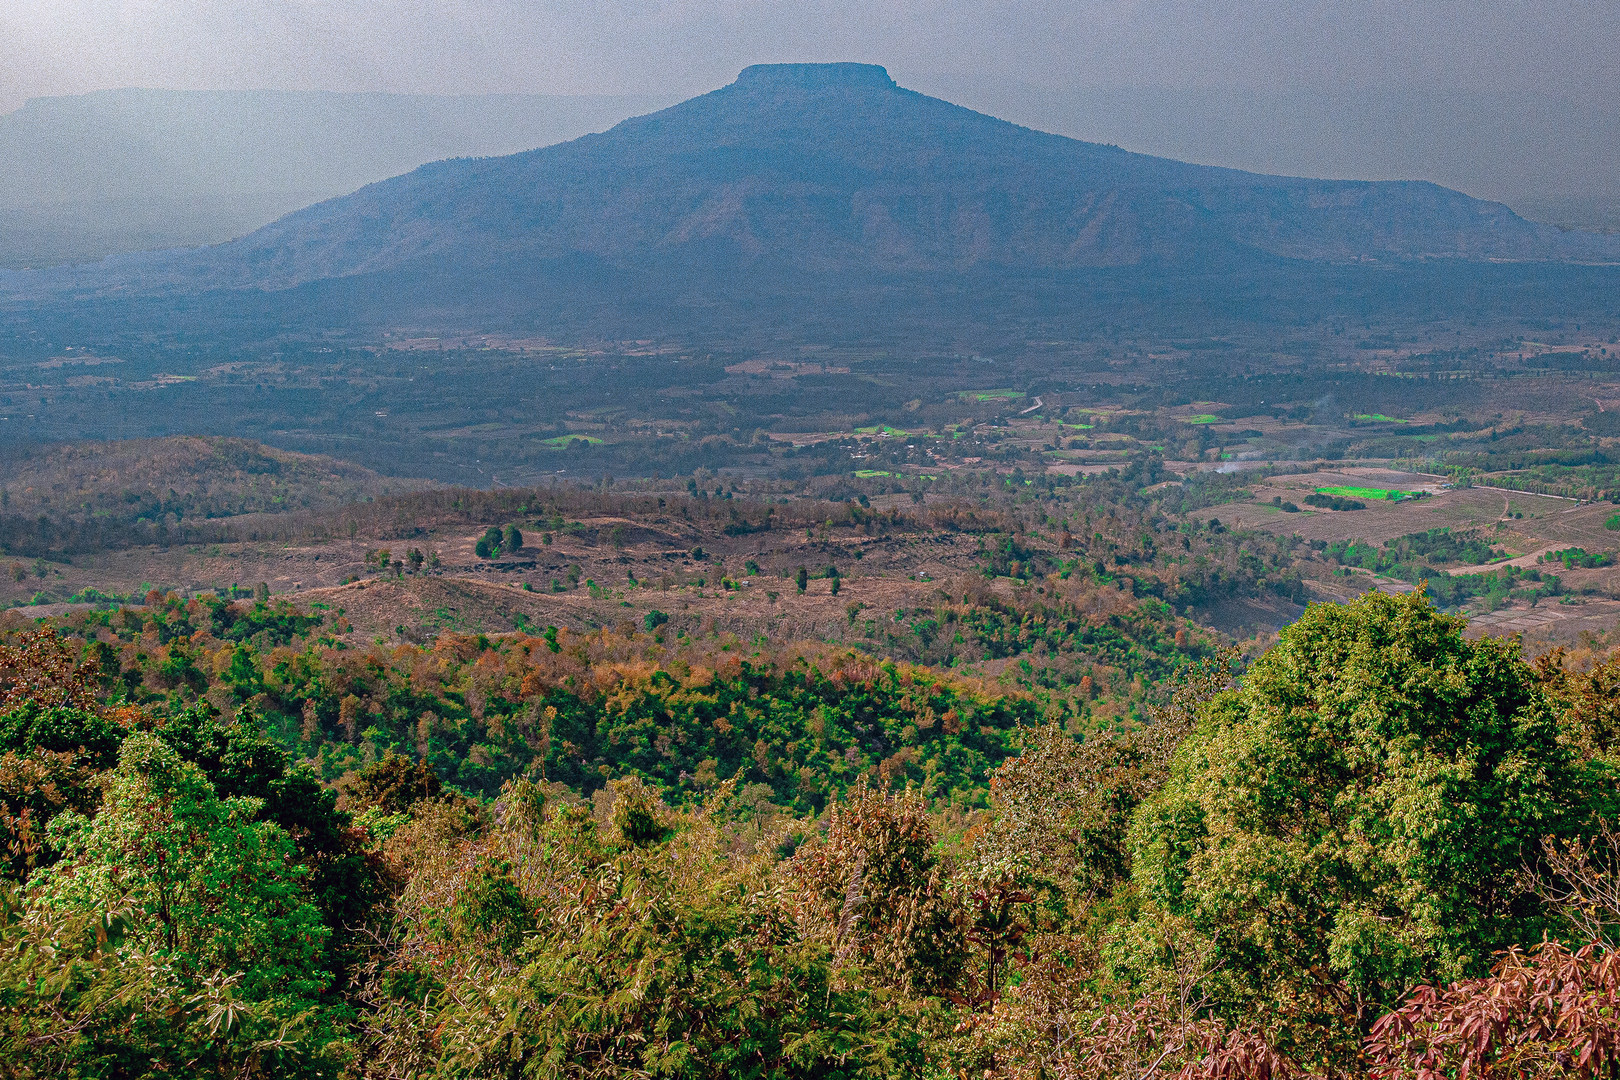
(1580, 559)
(1333, 502)
(392, 785)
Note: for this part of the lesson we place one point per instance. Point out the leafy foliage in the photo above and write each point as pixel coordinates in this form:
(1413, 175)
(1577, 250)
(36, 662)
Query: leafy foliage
(677, 957)
(1351, 822)
(1553, 1013)
(1579, 558)
(203, 938)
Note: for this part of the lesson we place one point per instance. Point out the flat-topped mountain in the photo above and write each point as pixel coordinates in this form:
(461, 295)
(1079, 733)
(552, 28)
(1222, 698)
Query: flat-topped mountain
(833, 168)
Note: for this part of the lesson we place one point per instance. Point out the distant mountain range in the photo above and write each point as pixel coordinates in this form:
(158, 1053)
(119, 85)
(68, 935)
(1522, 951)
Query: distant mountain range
(806, 173)
(92, 175)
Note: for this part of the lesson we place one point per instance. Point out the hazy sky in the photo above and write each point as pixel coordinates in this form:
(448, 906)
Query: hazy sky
(677, 47)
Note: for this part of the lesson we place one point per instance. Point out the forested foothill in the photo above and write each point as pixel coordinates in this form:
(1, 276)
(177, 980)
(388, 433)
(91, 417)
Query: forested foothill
(997, 772)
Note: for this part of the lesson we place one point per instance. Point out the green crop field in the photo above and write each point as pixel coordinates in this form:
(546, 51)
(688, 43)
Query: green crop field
(1378, 418)
(564, 440)
(1365, 493)
(1204, 418)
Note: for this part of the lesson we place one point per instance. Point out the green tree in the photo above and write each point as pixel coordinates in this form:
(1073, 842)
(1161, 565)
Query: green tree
(202, 956)
(344, 882)
(1354, 819)
(89, 735)
(242, 673)
(55, 739)
(178, 666)
(802, 578)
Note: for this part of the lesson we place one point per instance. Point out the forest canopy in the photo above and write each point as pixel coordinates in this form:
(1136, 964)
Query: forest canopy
(1384, 848)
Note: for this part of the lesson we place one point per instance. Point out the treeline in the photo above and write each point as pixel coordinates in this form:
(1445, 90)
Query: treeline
(1595, 483)
(1383, 850)
(413, 513)
(67, 535)
(799, 725)
(838, 504)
